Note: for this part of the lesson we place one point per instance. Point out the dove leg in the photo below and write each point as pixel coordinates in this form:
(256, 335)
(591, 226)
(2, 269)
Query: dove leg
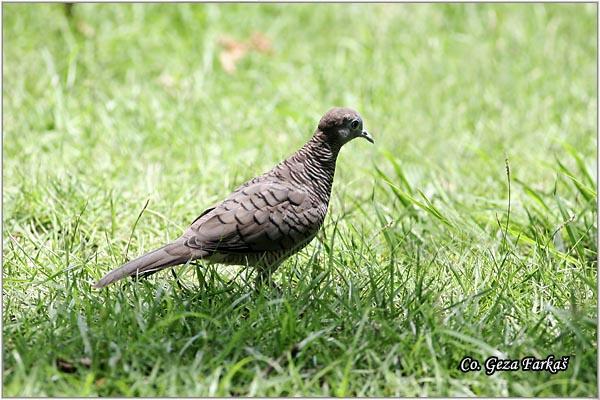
(179, 284)
(264, 276)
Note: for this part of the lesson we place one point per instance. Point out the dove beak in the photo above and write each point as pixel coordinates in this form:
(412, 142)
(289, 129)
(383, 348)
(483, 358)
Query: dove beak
(367, 136)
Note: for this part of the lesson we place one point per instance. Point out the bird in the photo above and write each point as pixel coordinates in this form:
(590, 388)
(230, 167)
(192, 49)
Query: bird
(268, 218)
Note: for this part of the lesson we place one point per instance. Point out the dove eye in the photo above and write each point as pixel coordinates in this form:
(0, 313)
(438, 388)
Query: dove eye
(354, 124)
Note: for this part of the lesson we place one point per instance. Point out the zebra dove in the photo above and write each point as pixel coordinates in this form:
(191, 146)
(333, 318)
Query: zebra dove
(268, 218)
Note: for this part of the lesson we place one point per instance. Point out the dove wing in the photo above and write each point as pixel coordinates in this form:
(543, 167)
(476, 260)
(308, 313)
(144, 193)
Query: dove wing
(257, 218)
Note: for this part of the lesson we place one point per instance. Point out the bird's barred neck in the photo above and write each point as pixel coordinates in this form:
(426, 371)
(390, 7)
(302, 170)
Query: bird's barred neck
(318, 158)
(322, 150)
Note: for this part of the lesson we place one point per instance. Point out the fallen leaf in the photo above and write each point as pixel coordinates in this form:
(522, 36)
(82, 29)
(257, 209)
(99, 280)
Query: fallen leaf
(65, 366)
(230, 44)
(229, 60)
(234, 50)
(86, 362)
(261, 43)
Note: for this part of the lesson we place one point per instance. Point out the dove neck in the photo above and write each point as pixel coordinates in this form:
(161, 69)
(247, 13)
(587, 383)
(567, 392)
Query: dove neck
(318, 157)
(322, 150)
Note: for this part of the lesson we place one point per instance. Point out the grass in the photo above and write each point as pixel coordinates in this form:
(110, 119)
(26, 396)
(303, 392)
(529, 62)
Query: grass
(468, 229)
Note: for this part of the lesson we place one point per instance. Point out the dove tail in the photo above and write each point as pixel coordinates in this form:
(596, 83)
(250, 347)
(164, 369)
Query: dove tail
(167, 256)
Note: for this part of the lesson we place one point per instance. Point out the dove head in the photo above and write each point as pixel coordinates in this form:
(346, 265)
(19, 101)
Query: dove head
(340, 125)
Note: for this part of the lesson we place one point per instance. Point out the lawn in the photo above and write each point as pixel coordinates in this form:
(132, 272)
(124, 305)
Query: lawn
(468, 229)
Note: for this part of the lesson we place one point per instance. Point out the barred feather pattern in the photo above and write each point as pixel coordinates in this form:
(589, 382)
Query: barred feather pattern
(263, 221)
(275, 214)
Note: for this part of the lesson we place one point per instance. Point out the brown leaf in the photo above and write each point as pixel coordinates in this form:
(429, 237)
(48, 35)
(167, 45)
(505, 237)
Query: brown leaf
(229, 60)
(65, 366)
(232, 53)
(85, 361)
(234, 50)
(261, 43)
(230, 44)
